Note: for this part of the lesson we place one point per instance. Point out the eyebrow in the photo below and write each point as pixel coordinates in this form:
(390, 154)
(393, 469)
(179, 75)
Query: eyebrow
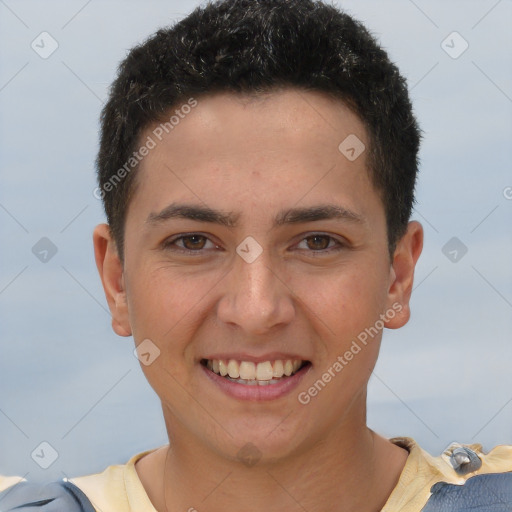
(230, 219)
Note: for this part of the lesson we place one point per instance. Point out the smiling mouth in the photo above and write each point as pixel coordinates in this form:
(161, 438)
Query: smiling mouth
(255, 374)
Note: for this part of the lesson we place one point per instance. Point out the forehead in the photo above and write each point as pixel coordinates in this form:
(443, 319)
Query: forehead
(308, 120)
(238, 149)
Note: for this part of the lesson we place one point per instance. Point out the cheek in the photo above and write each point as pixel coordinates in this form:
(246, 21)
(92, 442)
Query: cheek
(344, 303)
(159, 301)
(164, 309)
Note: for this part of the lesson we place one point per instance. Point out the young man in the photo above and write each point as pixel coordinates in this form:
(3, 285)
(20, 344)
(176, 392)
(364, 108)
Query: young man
(257, 167)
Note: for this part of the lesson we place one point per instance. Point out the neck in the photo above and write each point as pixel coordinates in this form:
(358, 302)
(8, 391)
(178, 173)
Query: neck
(350, 469)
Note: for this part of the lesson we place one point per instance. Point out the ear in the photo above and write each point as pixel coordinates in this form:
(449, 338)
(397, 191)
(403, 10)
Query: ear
(110, 268)
(406, 255)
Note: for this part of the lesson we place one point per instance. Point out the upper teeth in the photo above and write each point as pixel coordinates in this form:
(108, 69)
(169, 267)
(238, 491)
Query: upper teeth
(248, 370)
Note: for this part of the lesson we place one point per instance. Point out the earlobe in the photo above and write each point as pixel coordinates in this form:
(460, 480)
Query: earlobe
(406, 255)
(110, 269)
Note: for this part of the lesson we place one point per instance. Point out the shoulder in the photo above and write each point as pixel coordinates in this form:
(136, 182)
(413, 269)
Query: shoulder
(485, 480)
(117, 488)
(480, 493)
(462, 478)
(62, 496)
(9, 481)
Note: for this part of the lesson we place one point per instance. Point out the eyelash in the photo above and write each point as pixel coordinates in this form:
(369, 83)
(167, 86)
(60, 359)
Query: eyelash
(167, 244)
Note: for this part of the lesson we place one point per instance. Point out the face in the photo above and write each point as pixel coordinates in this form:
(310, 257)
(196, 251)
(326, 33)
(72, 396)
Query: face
(254, 246)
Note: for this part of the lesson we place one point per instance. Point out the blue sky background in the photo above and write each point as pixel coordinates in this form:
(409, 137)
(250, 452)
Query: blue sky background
(68, 380)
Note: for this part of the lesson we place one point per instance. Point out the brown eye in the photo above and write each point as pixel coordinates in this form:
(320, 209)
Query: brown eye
(190, 243)
(194, 242)
(318, 242)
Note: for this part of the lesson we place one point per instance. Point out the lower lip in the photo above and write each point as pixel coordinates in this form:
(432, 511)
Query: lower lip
(257, 392)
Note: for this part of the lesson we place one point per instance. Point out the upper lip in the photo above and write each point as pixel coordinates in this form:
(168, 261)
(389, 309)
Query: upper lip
(237, 356)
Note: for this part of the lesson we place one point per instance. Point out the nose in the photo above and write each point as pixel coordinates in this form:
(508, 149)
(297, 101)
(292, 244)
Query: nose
(256, 298)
